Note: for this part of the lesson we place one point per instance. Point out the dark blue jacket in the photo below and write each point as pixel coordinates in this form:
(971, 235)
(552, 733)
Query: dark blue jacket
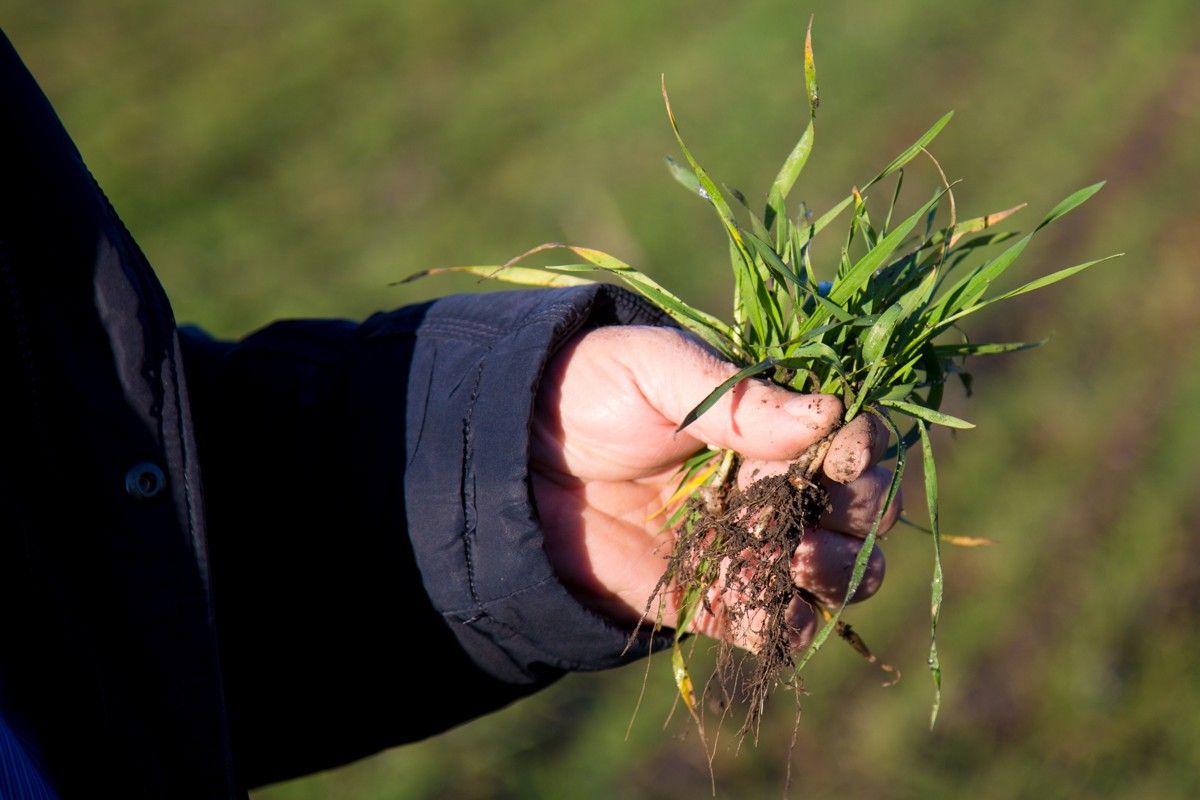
(224, 564)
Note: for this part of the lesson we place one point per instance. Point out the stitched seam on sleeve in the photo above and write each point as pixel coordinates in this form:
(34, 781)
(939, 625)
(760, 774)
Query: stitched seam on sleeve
(467, 488)
(482, 608)
(456, 327)
(556, 311)
(569, 314)
(482, 612)
(542, 653)
(659, 641)
(456, 324)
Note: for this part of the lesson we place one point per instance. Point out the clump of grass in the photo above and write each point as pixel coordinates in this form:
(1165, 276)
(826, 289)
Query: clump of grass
(882, 331)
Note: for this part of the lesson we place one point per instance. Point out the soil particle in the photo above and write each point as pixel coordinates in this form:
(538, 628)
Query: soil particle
(750, 534)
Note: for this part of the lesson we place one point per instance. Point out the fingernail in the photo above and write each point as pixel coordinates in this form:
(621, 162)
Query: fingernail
(848, 464)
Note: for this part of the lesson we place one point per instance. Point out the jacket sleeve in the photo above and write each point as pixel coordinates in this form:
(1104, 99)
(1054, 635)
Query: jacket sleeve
(376, 560)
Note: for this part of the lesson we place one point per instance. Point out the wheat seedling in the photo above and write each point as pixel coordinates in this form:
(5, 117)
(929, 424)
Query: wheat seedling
(882, 333)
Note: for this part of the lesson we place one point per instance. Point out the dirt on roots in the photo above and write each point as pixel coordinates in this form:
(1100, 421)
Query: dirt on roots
(738, 546)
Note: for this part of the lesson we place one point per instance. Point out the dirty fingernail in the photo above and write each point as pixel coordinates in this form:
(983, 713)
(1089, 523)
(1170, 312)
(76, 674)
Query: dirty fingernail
(848, 463)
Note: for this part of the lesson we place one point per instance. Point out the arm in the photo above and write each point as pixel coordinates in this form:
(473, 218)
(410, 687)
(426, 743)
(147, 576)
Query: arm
(371, 526)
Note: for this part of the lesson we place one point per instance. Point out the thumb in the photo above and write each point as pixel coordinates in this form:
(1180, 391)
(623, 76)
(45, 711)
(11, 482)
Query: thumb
(756, 418)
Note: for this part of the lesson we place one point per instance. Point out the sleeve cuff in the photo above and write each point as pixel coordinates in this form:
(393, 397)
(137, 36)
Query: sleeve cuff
(475, 372)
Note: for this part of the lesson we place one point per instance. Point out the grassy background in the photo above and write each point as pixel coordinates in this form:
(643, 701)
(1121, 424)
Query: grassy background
(290, 159)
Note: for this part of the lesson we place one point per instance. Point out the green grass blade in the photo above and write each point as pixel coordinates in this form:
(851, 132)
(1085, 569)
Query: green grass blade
(959, 252)
(864, 553)
(887, 221)
(803, 247)
(902, 372)
(972, 286)
(708, 327)
(706, 183)
(807, 232)
(685, 177)
(936, 585)
(683, 680)
(783, 273)
(911, 153)
(719, 392)
(984, 348)
(638, 280)
(815, 333)
(829, 216)
(899, 391)
(1039, 283)
(928, 414)
(689, 605)
(756, 224)
(810, 73)
(794, 163)
(964, 295)
(742, 261)
(833, 309)
(973, 225)
(935, 380)
(1070, 203)
(1054, 277)
(774, 263)
(786, 178)
(864, 391)
(551, 276)
(759, 305)
(860, 273)
(800, 358)
(692, 464)
(879, 336)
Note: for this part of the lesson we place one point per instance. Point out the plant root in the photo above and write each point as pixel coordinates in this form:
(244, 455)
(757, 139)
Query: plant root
(737, 547)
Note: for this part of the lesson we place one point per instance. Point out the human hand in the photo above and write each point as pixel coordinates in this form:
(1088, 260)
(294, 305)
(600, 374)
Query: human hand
(605, 456)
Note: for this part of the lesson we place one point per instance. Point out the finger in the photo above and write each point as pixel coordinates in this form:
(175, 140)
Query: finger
(714, 618)
(856, 446)
(728, 616)
(751, 471)
(747, 631)
(756, 418)
(802, 623)
(854, 505)
(860, 443)
(824, 562)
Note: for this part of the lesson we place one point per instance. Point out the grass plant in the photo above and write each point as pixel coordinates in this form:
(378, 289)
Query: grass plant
(876, 320)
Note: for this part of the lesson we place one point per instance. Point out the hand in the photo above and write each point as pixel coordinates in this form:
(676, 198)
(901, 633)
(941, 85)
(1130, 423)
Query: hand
(605, 456)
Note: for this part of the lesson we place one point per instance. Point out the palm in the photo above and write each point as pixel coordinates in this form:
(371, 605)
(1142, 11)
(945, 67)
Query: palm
(604, 461)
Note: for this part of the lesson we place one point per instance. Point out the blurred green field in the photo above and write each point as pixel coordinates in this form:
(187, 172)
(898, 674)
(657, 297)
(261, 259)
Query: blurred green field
(280, 160)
